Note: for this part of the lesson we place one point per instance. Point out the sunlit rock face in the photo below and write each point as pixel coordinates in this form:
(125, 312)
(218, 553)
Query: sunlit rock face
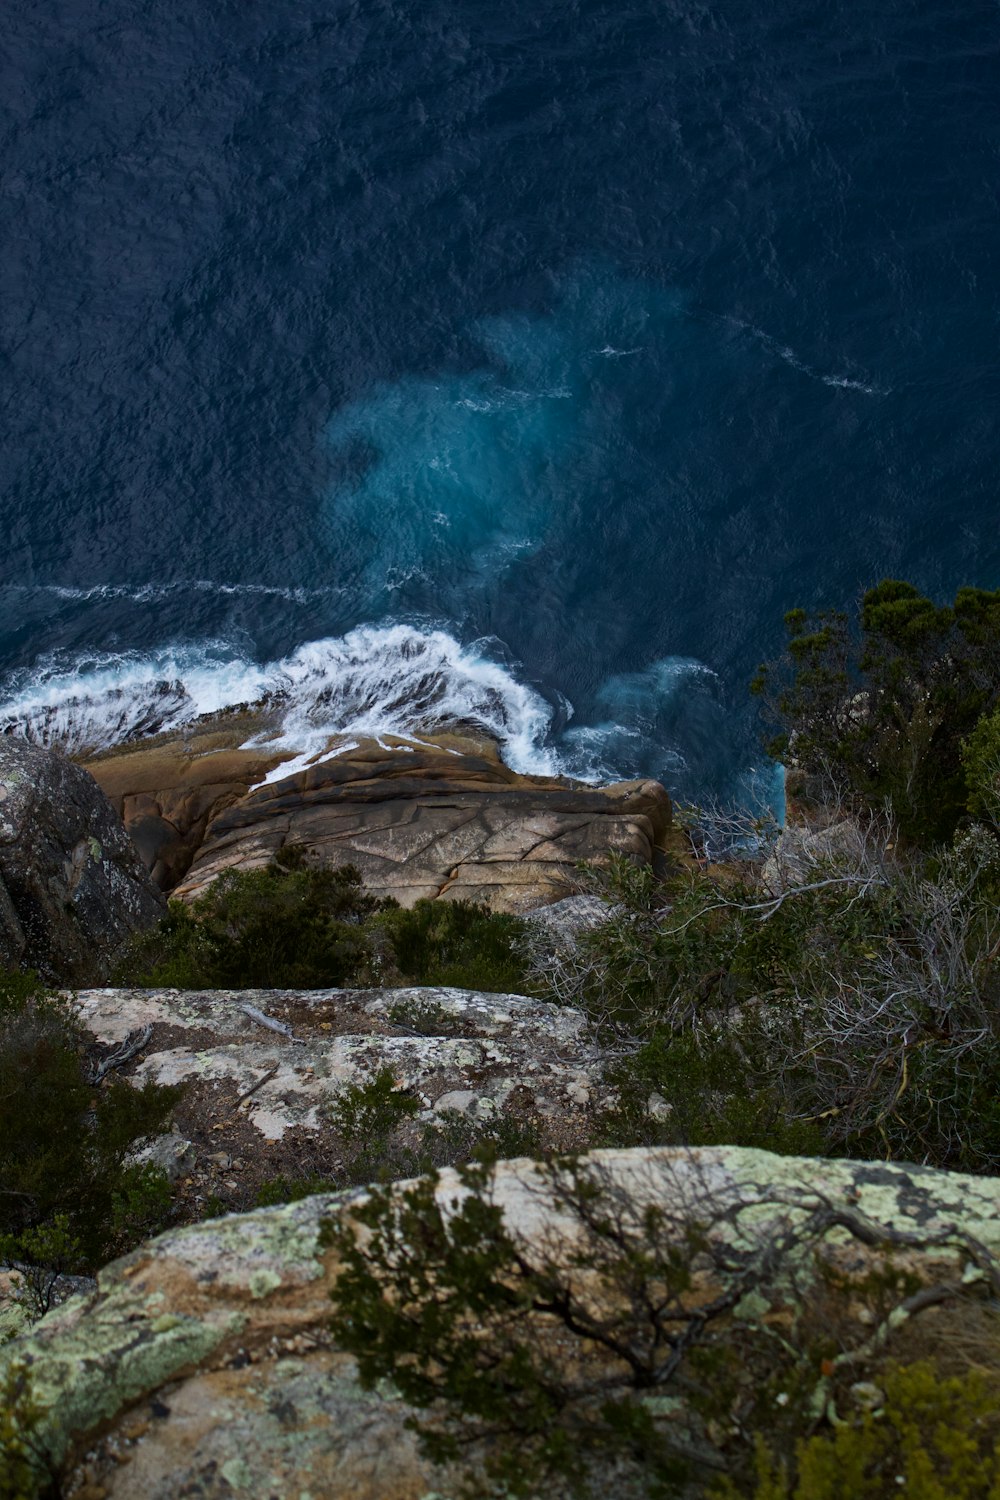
(419, 819)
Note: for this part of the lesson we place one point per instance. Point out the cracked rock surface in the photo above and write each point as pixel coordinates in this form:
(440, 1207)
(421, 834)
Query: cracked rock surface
(445, 819)
(72, 885)
(263, 1067)
(202, 1363)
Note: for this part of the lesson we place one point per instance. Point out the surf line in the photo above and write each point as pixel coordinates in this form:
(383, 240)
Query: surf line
(782, 351)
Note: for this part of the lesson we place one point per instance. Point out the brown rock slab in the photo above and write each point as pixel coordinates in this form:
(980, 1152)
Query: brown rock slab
(430, 821)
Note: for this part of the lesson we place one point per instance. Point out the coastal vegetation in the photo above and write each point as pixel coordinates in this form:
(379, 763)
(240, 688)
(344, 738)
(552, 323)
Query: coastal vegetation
(654, 1344)
(832, 991)
(71, 1197)
(297, 925)
(827, 989)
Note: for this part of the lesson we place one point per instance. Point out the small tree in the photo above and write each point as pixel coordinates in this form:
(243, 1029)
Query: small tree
(886, 703)
(65, 1180)
(630, 1338)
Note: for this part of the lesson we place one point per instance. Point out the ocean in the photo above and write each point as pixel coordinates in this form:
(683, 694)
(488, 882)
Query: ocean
(513, 364)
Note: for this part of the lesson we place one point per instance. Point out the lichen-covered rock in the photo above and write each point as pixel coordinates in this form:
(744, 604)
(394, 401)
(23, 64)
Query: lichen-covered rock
(75, 886)
(204, 1359)
(263, 1067)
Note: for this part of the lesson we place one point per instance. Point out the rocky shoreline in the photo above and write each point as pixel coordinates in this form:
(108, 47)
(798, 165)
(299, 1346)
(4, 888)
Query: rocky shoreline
(441, 817)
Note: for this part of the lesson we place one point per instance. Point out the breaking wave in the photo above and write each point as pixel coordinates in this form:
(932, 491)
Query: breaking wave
(374, 682)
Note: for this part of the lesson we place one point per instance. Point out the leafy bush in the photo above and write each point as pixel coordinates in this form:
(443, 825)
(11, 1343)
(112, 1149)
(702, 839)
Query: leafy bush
(456, 943)
(931, 1439)
(853, 1012)
(686, 1090)
(288, 925)
(981, 760)
(298, 926)
(25, 1470)
(444, 1306)
(885, 705)
(624, 1351)
(367, 1112)
(64, 1140)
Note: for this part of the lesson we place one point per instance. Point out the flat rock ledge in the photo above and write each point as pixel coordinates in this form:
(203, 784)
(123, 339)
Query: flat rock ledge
(263, 1067)
(202, 1365)
(437, 820)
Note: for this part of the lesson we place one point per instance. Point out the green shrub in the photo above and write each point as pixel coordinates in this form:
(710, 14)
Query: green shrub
(64, 1140)
(856, 1014)
(292, 1189)
(443, 1306)
(932, 1439)
(884, 706)
(625, 1351)
(707, 1090)
(371, 1111)
(298, 926)
(981, 760)
(455, 943)
(25, 1470)
(288, 925)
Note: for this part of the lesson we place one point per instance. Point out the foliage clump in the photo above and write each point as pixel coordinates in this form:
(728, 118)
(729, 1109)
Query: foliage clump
(887, 701)
(25, 1470)
(295, 925)
(459, 943)
(70, 1198)
(288, 924)
(930, 1438)
(628, 1349)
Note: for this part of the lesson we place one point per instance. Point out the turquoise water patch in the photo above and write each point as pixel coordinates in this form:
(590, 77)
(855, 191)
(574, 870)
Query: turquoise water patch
(447, 481)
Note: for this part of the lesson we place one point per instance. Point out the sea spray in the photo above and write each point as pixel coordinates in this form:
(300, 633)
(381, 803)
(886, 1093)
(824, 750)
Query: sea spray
(398, 681)
(393, 680)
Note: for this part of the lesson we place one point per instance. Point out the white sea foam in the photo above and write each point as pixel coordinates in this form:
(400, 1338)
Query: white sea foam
(151, 593)
(392, 680)
(96, 700)
(375, 681)
(395, 680)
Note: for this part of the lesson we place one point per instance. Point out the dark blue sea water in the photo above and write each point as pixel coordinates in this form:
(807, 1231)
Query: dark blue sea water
(520, 361)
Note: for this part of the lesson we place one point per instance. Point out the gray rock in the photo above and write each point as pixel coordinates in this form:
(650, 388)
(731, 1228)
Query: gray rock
(657, 1107)
(171, 1153)
(562, 922)
(801, 850)
(459, 1101)
(74, 881)
(440, 1043)
(204, 1358)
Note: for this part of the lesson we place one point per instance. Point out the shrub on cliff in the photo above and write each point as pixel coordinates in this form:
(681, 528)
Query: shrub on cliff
(929, 1439)
(299, 926)
(65, 1180)
(288, 924)
(884, 704)
(854, 1012)
(627, 1348)
(455, 943)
